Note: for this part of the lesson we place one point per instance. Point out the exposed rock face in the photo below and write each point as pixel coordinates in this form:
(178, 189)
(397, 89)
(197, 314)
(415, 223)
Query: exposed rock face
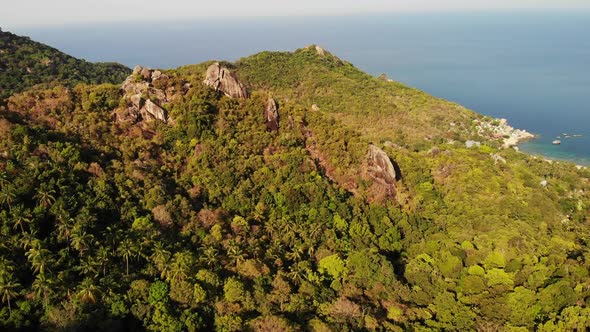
(152, 111)
(498, 158)
(156, 75)
(379, 165)
(384, 77)
(221, 79)
(320, 51)
(136, 100)
(144, 101)
(146, 73)
(382, 171)
(271, 115)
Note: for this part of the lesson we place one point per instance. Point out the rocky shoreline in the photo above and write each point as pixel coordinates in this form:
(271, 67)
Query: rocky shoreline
(499, 129)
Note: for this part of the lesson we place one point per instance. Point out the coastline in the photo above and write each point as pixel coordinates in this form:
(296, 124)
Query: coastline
(499, 129)
(540, 150)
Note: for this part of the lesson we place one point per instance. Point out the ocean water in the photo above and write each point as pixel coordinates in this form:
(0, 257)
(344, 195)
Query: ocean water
(531, 67)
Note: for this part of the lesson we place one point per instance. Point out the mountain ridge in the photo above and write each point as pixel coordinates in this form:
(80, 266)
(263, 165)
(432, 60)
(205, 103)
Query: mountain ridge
(26, 63)
(209, 220)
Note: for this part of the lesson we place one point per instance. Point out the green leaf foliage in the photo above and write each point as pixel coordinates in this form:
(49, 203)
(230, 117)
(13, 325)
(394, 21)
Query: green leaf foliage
(212, 222)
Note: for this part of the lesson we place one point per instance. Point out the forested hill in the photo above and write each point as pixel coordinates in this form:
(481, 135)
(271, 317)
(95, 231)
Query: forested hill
(25, 63)
(287, 191)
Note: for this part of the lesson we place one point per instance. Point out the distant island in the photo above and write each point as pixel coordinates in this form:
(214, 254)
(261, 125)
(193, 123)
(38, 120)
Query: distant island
(285, 191)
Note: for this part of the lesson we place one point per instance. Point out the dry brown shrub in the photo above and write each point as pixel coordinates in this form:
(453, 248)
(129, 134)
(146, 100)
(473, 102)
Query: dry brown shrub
(162, 216)
(209, 217)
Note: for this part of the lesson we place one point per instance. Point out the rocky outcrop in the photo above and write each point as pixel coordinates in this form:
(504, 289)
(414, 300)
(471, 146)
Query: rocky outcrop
(320, 51)
(146, 74)
(221, 79)
(379, 165)
(271, 115)
(381, 170)
(498, 158)
(499, 129)
(144, 101)
(151, 111)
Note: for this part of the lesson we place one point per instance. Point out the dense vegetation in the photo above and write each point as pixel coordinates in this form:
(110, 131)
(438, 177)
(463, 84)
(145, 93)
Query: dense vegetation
(25, 63)
(213, 222)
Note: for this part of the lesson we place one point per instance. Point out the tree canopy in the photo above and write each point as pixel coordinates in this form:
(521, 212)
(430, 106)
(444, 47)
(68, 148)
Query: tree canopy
(212, 222)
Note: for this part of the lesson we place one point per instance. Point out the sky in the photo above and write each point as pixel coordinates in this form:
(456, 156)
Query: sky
(16, 13)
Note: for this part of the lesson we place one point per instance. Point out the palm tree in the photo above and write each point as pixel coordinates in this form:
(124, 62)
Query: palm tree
(126, 250)
(235, 252)
(160, 256)
(7, 195)
(39, 258)
(296, 254)
(103, 257)
(209, 256)
(4, 179)
(28, 240)
(20, 217)
(270, 228)
(6, 265)
(181, 266)
(81, 241)
(64, 228)
(45, 197)
(275, 251)
(8, 289)
(113, 236)
(43, 287)
(88, 266)
(88, 291)
(297, 273)
(316, 230)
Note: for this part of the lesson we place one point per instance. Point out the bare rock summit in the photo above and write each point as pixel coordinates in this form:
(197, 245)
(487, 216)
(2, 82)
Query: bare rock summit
(144, 100)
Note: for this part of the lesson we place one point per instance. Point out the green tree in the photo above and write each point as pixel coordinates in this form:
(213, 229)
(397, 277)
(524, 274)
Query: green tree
(45, 197)
(43, 287)
(181, 266)
(20, 217)
(7, 195)
(87, 291)
(40, 259)
(8, 289)
(127, 249)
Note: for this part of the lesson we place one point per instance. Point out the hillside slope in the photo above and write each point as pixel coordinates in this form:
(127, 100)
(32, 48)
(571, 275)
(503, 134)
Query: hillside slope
(25, 63)
(164, 204)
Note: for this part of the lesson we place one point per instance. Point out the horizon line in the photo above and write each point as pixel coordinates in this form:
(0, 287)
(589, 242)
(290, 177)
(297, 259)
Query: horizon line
(576, 10)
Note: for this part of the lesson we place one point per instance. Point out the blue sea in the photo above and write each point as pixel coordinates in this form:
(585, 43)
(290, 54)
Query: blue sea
(531, 67)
